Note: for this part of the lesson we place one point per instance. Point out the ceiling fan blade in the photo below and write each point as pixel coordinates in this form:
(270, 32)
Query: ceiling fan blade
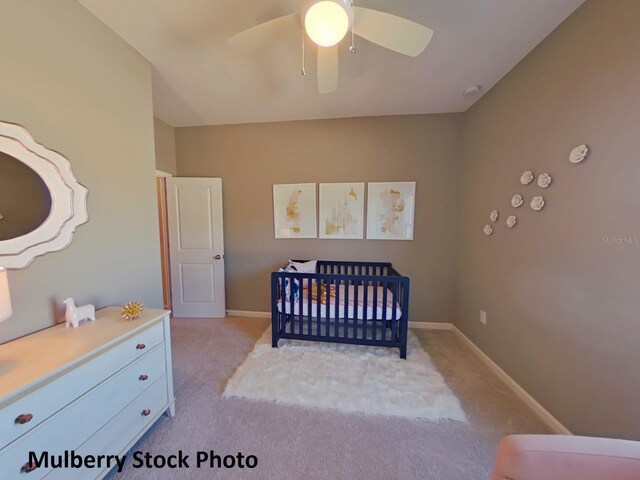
(259, 36)
(327, 69)
(392, 32)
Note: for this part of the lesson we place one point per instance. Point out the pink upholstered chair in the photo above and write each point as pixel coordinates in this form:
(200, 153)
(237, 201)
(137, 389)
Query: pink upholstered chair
(564, 457)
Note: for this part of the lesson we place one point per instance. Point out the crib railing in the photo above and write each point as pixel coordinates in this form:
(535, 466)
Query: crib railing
(340, 310)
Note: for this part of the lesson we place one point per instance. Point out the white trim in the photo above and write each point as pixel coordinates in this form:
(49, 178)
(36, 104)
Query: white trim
(430, 325)
(248, 313)
(160, 173)
(544, 415)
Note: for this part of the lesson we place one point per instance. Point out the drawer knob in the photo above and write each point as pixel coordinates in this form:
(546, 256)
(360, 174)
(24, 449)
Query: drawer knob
(28, 467)
(141, 346)
(146, 412)
(143, 377)
(24, 418)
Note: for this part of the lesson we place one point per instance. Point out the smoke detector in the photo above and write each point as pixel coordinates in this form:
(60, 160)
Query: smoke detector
(472, 90)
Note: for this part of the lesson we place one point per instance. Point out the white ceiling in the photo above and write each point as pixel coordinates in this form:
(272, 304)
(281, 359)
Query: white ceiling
(199, 80)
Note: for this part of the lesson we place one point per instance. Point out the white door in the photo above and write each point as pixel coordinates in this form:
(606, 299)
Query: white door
(196, 246)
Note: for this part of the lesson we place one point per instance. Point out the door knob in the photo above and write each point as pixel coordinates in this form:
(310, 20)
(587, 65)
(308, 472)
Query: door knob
(218, 257)
(23, 418)
(28, 467)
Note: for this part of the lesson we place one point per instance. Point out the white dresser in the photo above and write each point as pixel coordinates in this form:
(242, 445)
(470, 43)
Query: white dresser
(94, 389)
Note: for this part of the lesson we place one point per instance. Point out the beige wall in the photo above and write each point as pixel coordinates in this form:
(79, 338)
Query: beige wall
(563, 305)
(165, 146)
(81, 90)
(251, 158)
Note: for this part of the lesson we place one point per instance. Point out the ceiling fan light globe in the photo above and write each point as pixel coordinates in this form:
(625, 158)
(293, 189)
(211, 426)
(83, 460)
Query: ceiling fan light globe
(327, 22)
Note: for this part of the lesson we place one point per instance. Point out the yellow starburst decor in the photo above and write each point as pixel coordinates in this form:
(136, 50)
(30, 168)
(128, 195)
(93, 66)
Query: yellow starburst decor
(132, 310)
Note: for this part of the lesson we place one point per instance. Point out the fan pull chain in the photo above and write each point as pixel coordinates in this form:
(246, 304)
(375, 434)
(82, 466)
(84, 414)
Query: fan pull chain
(302, 70)
(352, 47)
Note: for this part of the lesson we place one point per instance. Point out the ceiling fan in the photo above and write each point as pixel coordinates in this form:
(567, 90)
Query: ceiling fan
(327, 22)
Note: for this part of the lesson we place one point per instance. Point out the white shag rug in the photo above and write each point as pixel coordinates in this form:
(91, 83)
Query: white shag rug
(348, 378)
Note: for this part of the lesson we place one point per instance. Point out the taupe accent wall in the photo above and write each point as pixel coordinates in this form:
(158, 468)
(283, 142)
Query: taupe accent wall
(165, 146)
(83, 91)
(252, 158)
(562, 289)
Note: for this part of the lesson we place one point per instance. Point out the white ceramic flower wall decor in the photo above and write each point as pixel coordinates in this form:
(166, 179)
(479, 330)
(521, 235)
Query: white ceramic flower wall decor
(494, 215)
(578, 154)
(544, 180)
(537, 203)
(488, 230)
(516, 201)
(526, 178)
(511, 221)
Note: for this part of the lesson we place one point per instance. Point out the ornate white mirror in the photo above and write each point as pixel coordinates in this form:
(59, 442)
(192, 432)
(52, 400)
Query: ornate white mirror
(41, 202)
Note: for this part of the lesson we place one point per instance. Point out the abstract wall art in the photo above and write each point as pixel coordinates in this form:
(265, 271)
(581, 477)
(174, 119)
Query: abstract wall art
(342, 210)
(390, 210)
(294, 210)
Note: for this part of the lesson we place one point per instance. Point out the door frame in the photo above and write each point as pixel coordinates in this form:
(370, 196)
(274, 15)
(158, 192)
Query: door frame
(161, 187)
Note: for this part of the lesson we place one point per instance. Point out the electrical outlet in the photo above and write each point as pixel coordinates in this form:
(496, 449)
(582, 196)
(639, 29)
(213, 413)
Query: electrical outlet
(483, 317)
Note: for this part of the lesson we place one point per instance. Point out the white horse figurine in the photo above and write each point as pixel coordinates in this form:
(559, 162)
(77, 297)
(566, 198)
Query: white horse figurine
(74, 315)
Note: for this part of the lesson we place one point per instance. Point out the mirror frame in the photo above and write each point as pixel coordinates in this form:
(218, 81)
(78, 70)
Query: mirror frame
(68, 199)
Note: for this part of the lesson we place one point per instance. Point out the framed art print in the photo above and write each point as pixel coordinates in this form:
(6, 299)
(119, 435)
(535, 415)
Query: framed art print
(294, 210)
(390, 210)
(342, 210)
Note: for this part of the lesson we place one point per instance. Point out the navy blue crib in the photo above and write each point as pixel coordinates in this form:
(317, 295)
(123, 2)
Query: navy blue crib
(362, 303)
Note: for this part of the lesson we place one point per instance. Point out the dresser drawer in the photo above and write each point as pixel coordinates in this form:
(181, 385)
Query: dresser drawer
(72, 426)
(118, 433)
(27, 412)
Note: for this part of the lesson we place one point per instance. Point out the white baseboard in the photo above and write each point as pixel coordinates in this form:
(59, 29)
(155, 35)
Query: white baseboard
(430, 325)
(544, 415)
(248, 313)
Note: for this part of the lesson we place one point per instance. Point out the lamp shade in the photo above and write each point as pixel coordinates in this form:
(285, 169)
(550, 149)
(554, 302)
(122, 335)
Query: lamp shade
(5, 298)
(327, 22)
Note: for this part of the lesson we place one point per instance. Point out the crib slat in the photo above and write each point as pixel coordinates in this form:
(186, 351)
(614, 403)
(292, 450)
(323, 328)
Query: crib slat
(346, 310)
(384, 310)
(356, 295)
(283, 301)
(309, 311)
(337, 304)
(316, 305)
(299, 303)
(292, 320)
(375, 311)
(291, 306)
(293, 303)
(394, 314)
(330, 320)
(365, 309)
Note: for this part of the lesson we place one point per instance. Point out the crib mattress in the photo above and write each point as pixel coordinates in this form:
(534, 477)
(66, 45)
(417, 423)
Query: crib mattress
(342, 310)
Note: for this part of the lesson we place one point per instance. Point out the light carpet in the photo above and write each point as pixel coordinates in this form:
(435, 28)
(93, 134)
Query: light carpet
(298, 443)
(347, 378)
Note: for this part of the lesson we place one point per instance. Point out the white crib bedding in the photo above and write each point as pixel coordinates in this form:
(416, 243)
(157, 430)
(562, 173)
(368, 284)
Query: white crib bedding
(351, 310)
